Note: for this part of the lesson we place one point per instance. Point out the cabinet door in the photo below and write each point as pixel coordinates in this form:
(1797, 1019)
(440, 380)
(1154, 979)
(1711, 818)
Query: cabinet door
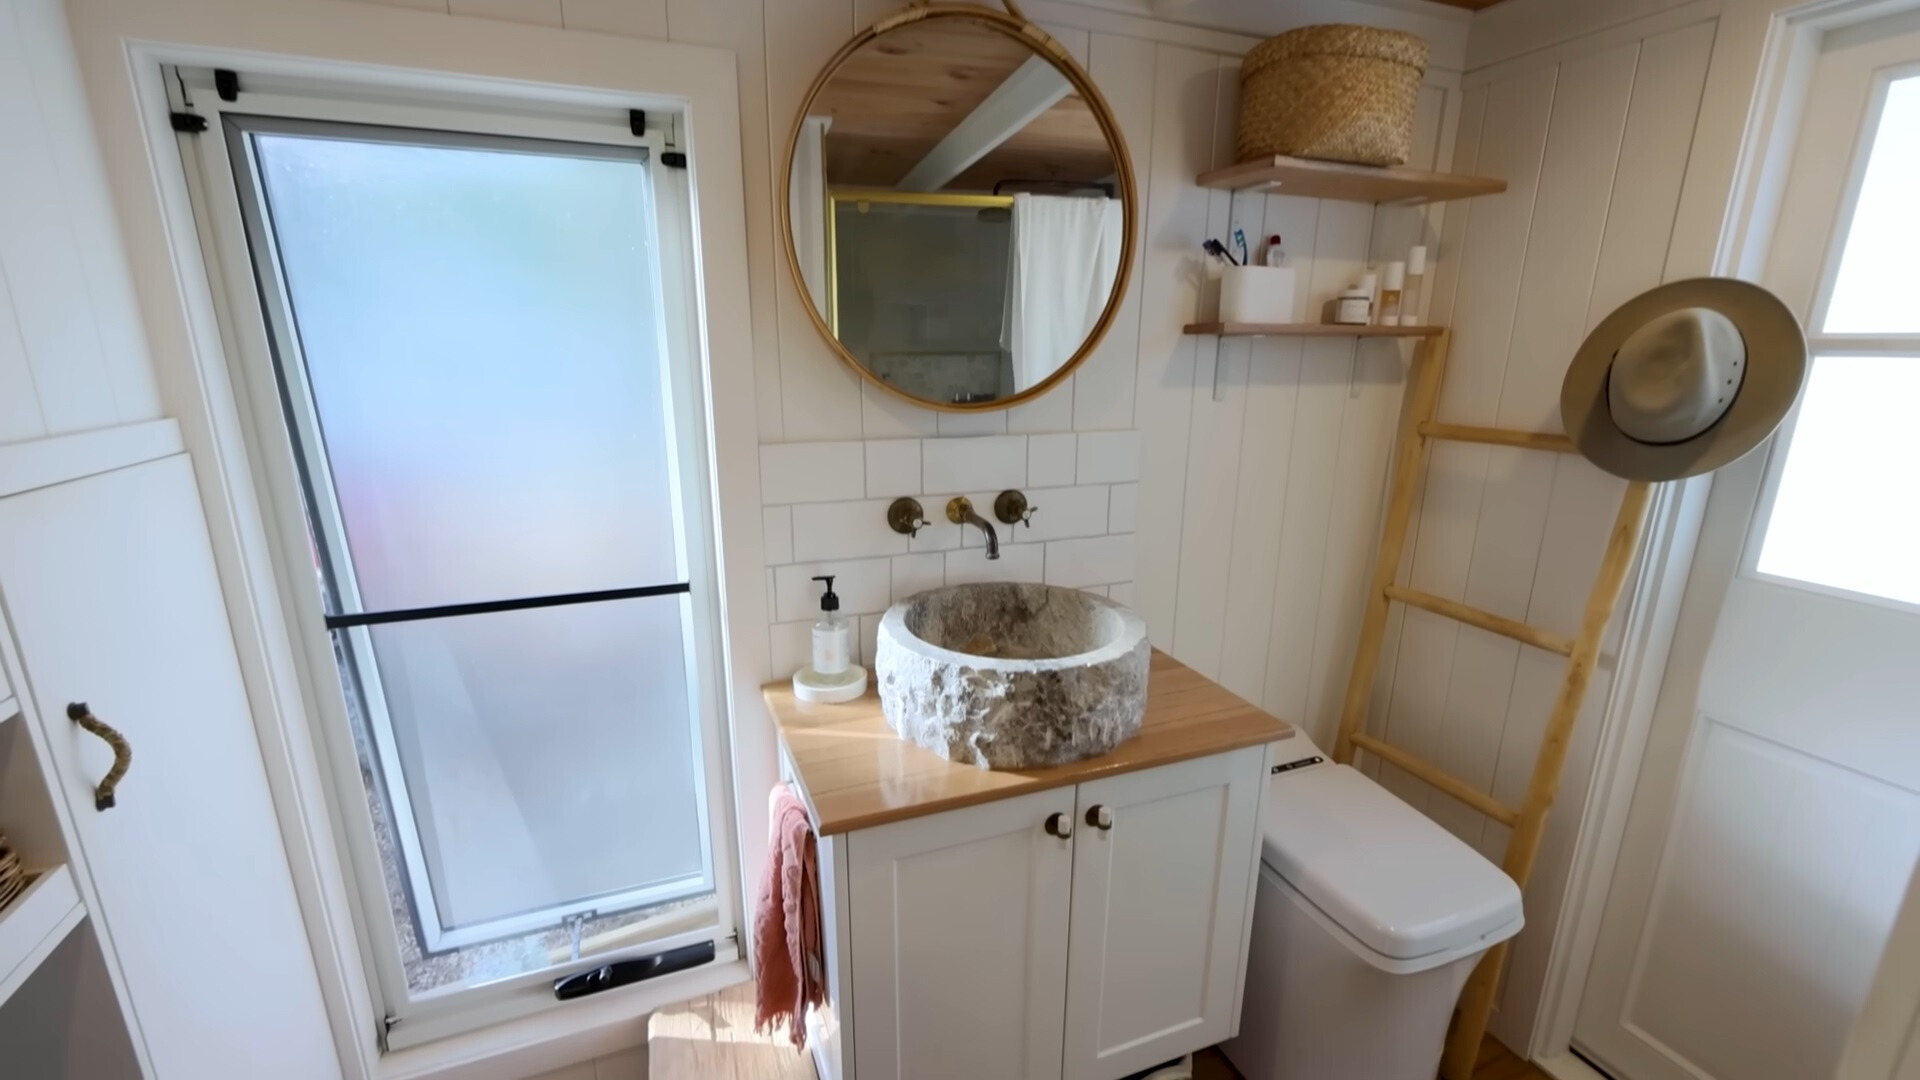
(959, 943)
(1160, 904)
(110, 589)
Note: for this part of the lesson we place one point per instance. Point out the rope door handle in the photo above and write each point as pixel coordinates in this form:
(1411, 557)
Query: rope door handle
(122, 752)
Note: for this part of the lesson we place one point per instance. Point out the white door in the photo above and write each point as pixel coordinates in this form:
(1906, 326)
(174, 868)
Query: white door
(1163, 866)
(1777, 816)
(110, 590)
(959, 950)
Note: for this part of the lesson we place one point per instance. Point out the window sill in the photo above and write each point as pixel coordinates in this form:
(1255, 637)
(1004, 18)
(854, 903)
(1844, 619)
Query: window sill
(558, 1037)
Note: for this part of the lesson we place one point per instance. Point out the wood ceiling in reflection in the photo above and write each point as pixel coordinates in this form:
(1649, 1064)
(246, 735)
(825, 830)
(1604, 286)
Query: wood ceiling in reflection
(896, 98)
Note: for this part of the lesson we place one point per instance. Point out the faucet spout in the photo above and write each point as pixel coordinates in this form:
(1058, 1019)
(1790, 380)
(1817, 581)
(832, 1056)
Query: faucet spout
(960, 511)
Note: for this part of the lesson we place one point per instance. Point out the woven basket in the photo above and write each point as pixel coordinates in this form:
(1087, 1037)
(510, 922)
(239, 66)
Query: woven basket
(13, 876)
(1338, 93)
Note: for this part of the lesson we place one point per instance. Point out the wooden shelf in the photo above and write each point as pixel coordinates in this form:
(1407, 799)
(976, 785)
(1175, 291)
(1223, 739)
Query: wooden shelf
(1354, 183)
(34, 924)
(1236, 329)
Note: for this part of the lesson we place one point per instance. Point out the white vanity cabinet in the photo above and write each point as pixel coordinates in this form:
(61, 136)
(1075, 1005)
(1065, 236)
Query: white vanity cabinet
(980, 942)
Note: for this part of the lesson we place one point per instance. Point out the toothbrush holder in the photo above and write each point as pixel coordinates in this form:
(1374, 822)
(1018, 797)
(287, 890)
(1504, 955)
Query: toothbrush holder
(1257, 294)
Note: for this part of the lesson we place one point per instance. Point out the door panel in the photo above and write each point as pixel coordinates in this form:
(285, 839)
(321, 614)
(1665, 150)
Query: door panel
(1160, 912)
(1777, 815)
(111, 593)
(959, 944)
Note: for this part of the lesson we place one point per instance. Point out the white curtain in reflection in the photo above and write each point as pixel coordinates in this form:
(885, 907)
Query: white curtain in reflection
(1066, 251)
(807, 206)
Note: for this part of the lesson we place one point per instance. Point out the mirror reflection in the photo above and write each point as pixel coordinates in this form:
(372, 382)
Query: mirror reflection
(956, 213)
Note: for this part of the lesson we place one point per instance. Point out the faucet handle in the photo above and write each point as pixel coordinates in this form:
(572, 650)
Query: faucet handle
(1012, 509)
(906, 518)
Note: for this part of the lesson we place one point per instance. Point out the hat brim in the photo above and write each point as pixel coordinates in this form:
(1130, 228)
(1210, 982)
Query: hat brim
(1776, 370)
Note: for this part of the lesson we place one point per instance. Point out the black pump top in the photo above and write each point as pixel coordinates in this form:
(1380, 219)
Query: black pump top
(829, 602)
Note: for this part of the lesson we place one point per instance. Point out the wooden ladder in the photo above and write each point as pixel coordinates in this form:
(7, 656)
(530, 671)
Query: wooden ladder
(1527, 820)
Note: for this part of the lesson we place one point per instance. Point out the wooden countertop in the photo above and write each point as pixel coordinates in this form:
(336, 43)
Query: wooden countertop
(855, 773)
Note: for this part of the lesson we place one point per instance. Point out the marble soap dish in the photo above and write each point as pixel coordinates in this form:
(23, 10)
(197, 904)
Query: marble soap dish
(810, 685)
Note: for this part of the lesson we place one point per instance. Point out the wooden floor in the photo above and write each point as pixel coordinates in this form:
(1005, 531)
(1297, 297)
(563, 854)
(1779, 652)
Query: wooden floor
(1496, 1063)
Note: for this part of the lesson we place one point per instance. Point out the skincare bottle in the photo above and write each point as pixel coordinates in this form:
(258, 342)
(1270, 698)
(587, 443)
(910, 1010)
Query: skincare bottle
(1391, 292)
(830, 634)
(1410, 297)
(1354, 307)
(1370, 284)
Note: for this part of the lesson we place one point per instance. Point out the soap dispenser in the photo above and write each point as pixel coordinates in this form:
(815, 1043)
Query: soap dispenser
(830, 644)
(832, 676)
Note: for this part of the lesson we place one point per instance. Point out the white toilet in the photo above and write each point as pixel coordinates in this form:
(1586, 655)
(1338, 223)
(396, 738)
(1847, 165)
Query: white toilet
(1368, 921)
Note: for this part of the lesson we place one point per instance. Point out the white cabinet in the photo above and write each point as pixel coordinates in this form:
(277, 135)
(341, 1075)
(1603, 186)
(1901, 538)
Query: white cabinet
(959, 944)
(112, 599)
(1163, 867)
(982, 943)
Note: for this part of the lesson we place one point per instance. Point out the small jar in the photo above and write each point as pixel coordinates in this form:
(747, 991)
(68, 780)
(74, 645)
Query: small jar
(1354, 307)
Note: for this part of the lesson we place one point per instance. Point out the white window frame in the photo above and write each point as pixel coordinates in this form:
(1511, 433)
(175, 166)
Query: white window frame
(1820, 343)
(413, 1018)
(122, 47)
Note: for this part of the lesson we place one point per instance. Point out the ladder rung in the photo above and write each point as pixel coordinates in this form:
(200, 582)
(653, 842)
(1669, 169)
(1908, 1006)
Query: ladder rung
(1459, 789)
(1491, 436)
(1523, 633)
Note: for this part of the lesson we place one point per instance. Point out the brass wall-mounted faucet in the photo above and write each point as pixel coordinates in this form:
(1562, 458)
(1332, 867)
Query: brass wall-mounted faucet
(960, 511)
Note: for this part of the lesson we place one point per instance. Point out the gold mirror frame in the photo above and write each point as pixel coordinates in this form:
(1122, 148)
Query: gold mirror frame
(1013, 23)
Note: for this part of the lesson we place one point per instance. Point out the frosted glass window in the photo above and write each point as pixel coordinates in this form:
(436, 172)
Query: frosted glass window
(1845, 515)
(480, 335)
(546, 752)
(1873, 292)
(470, 341)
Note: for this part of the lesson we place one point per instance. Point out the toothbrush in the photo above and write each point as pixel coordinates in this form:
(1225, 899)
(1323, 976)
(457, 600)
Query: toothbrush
(1240, 241)
(1219, 251)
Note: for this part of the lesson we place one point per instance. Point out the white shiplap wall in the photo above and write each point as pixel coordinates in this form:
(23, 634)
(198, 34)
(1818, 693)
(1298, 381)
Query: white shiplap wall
(72, 353)
(1593, 137)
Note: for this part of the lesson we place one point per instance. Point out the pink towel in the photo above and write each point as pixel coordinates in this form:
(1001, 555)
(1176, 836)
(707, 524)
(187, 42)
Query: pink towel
(790, 968)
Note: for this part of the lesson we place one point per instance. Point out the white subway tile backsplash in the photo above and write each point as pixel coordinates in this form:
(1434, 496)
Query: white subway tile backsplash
(990, 462)
(869, 635)
(844, 530)
(1050, 460)
(883, 416)
(776, 535)
(812, 472)
(792, 647)
(1108, 457)
(1101, 560)
(861, 583)
(893, 468)
(917, 573)
(1061, 513)
(1122, 506)
(973, 423)
(1020, 562)
(939, 533)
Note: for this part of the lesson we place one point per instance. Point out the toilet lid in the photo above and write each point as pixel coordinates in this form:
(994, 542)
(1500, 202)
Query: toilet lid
(1399, 883)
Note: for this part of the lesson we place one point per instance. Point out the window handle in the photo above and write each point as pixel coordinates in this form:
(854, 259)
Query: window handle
(122, 752)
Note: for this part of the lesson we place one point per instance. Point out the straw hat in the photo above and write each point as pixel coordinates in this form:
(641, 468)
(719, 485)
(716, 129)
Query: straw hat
(1683, 379)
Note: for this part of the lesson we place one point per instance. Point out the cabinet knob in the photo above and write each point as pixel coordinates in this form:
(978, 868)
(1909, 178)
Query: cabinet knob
(1059, 825)
(1100, 817)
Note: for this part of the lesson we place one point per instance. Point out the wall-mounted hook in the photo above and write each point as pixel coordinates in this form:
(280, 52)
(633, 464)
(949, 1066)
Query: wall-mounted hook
(1012, 509)
(906, 518)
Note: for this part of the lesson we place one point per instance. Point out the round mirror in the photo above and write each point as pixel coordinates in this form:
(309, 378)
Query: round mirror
(960, 208)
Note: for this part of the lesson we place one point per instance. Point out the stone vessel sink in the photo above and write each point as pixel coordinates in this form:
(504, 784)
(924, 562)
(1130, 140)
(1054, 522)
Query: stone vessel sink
(1010, 676)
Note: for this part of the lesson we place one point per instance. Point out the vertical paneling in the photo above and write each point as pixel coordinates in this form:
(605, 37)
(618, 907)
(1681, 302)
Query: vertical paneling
(1218, 408)
(820, 398)
(740, 25)
(634, 18)
(1186, 85)
(72, 352)
(1104, 386)
(535, 12)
